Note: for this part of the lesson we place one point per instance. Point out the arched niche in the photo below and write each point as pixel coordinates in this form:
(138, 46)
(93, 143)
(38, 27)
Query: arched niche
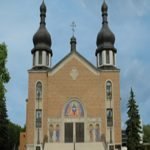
(74, 109)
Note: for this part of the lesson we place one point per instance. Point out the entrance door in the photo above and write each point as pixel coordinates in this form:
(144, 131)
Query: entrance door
(68, 132)
(79, 132)
(76, 129)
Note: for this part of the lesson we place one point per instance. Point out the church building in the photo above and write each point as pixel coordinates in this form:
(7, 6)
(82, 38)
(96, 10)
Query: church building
(73, 105)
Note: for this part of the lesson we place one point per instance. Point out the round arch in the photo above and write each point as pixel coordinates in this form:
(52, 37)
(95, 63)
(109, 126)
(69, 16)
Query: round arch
(73, 108)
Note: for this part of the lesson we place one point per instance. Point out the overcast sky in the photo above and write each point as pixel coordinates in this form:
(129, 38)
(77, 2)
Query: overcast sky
(128, 19)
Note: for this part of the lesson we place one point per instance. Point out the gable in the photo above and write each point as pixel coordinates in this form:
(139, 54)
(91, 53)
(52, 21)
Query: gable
(78, 59)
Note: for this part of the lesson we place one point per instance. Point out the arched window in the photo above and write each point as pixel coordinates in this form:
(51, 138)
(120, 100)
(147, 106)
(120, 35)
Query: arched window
(38, 90)
(109, 90)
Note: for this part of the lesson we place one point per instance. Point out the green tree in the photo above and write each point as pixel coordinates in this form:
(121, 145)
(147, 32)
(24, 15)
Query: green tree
(13, 135)
(146, 130)
(133, 129)
(4, 78)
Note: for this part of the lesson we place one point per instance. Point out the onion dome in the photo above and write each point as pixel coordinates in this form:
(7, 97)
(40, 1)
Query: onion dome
(42, 39)
(105, 38)
(73, 43)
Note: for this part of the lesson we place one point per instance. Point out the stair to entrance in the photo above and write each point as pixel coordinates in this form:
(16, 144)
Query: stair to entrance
(90, 146)
(77, 146)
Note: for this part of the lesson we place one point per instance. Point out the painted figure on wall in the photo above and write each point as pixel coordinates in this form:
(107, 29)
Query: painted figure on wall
(57, 133)
(97, 133)
(54, 133)
(51, 129)
(91, 135)
(74, 109)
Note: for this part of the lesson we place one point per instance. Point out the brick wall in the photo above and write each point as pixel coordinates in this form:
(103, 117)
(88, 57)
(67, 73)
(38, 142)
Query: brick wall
(59, 87)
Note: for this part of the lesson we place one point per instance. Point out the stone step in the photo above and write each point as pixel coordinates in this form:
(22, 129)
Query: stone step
(77, 146)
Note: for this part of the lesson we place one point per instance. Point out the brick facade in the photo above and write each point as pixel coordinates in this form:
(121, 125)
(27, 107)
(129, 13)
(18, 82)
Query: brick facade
(74, 77)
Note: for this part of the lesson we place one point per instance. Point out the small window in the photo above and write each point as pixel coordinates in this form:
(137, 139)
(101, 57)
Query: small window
(38, 90)
(40, 57)
(100, 58)
(114, 58)
(109, 117)
(109, 90)
(38, 118)
(107, 57)
(47, 59)
(33, 59)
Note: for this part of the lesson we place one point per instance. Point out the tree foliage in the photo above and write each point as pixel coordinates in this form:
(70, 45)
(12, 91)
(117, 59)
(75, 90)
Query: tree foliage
(146, 130)
(13, 135)
(9, 132)
(133, 129)
(4, 78)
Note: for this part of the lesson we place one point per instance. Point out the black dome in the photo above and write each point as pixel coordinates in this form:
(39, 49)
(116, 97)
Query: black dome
(105, 38)
(42, 38)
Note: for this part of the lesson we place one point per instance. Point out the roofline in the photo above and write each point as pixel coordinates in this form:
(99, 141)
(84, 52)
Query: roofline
(68, 55)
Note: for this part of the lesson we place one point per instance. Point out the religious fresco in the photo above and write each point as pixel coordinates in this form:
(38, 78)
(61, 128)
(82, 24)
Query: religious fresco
(57, 133)
(97, 133)
(51, 129)
(91, 133)
(54, 133)
(94, 133)
(74, 109)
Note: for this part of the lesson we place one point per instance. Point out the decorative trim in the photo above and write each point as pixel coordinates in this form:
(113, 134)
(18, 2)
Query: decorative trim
(74, 73)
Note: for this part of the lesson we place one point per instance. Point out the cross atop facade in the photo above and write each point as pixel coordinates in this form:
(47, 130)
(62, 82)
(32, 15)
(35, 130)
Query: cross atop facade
(73, 25)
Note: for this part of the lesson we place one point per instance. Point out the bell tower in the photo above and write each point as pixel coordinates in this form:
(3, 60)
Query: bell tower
(105, 51)
(42, 52)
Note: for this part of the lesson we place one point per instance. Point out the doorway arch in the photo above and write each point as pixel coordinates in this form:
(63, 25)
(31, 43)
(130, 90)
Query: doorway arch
(74, 115)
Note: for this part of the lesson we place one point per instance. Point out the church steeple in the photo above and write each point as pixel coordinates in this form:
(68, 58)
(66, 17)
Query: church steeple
(42, 52)
(105, 51)
(73, 41)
